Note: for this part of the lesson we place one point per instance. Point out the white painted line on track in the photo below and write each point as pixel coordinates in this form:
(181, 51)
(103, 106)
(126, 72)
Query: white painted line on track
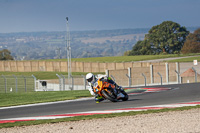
(38, 104)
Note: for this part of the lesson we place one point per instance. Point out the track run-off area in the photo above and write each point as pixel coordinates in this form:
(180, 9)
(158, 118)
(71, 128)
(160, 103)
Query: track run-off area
(140, 99)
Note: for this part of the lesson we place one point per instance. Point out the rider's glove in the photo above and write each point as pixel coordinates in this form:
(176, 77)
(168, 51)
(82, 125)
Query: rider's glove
(90, 88)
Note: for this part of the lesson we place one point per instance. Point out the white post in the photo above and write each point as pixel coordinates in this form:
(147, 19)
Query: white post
(107, 73)
(34, 82)
(151, 74)
(167, 72)
(178, 71)
(68, 50)
(130, 79)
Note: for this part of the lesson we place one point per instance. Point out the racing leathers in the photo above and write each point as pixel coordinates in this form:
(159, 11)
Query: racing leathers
(94, 84)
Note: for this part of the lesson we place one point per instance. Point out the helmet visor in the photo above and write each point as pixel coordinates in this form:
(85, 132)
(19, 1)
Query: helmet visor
(90, 79)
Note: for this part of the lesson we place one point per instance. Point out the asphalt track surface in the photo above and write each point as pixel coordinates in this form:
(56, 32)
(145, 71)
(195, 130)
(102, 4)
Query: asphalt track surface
(178, 94)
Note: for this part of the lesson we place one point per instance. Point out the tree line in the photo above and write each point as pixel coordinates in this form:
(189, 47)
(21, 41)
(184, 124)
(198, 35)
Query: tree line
(5, 55)
(167, 38)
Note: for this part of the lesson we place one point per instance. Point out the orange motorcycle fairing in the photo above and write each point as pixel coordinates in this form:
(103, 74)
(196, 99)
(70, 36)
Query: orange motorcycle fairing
(103, 85)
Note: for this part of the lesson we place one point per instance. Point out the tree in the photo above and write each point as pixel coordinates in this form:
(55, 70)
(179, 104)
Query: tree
(168, 37)
(141, 48)
(192, 43)
(5, 55)
(136, 48)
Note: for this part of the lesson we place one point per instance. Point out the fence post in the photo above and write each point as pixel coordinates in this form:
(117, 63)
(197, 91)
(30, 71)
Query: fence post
(160, 78)
(167, 72)
(59, 81)
(151, 73)
(178, 76)
(195, 73)
(112, 77)
(129, 80)
(84, 81)
(63, 82)
(72, 82)
(34, 82)
(15, 82)
(24, 83)
(145, 79)
(129, 74)
(178, 70)
(5, 80)
(107, 73)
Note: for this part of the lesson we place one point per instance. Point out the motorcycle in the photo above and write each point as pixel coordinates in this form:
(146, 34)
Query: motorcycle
(109, 91)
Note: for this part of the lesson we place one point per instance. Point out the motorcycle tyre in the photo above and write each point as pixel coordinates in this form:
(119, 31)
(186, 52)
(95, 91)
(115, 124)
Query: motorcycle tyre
(108, 96)
(126, 96)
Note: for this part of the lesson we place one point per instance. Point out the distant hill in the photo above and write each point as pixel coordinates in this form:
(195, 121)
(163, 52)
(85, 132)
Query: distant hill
(51, 45)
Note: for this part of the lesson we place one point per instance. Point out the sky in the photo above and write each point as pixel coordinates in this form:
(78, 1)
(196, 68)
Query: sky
(50, 15)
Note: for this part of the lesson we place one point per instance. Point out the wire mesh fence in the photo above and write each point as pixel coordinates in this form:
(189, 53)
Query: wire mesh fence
(11, 84)
(63, 83)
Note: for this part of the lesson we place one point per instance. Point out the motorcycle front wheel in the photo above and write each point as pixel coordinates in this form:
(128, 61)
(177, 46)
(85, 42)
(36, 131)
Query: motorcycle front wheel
(109, 96)
(125, 98)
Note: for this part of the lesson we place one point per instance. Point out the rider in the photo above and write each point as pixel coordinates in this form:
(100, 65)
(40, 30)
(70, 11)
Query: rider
(92, 80)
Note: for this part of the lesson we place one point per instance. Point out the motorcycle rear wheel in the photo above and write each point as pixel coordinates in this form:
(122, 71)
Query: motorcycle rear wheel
(109, 96)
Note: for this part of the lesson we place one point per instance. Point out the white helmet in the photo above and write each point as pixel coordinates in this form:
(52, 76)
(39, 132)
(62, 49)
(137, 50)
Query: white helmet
(90, 77)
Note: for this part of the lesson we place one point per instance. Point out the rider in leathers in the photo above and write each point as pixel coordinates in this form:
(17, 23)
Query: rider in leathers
(92, 81)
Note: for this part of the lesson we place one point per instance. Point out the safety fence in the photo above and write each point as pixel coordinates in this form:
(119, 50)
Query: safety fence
(142, 80)
(63, 83)
(9, 84)
(149, 77)
(20, 83)
(125, 78)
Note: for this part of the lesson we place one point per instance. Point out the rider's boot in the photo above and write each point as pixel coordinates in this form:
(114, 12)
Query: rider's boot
(98, 98)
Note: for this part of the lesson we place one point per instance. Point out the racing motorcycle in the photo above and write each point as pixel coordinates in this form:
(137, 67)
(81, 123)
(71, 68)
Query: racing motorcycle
(109, 91)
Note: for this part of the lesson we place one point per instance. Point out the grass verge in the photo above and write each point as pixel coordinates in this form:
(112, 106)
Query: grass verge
(12, 99)
(77, 118)
(124, 58)
(45, 96)
(43, 75)
(189, 59)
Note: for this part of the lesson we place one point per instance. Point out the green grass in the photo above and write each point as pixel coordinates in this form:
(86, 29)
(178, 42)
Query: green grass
(77, 118)
(189, 59)
(46, 96)
(11, 99)
(42, 75)
(124, 58)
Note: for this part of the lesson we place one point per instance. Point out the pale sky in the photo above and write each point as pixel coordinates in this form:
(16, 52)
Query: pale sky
(49, 15)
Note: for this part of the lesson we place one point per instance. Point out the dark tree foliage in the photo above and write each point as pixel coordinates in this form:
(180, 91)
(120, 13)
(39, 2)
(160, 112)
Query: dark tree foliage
(192, 43)
(141, 48)
(167, 38)
(5, 55)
